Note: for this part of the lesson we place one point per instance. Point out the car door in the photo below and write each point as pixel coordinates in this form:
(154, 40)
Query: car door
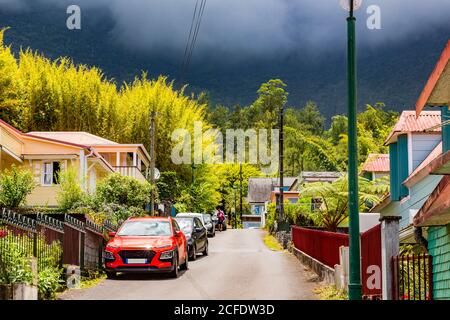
(201, 235)
(179, 238)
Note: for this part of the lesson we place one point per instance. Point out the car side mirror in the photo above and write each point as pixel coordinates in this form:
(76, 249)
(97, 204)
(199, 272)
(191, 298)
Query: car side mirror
(111, 234)
(198, 229)
(178, 233)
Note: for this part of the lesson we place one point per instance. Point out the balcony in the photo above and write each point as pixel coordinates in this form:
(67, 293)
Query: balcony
(131, 171)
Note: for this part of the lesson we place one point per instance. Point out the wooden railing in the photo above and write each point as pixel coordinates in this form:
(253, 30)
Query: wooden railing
(130, 171)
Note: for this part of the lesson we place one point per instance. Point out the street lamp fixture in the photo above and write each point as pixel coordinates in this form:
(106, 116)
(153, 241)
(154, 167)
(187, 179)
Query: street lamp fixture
(354, 286)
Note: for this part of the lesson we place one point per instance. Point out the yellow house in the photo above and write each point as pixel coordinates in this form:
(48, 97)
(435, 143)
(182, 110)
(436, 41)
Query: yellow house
(46, 154)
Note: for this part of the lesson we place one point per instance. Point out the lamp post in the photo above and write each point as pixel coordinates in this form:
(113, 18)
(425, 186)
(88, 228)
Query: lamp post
(354, 286)
(152, 160)
(240, 193)
(235, 208)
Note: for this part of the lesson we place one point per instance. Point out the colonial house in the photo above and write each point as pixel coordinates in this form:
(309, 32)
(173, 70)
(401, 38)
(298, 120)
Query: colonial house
(46, 154)
(412, 145)
(259, 195)
(375, 167)
(418, 207)
(434, 215)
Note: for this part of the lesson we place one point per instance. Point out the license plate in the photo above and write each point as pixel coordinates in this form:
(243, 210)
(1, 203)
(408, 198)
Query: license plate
(136, 261)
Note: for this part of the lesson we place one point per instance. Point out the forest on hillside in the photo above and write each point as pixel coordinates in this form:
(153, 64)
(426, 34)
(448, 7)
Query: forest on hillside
(42, 94)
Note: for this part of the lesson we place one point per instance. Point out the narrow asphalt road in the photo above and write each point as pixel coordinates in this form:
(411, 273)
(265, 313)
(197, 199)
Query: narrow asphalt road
(239, 266)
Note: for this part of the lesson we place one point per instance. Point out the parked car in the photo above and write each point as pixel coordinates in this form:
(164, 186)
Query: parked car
(210, 225)
(216, 221)
(147, 244)
(204, 218)
(196, 235)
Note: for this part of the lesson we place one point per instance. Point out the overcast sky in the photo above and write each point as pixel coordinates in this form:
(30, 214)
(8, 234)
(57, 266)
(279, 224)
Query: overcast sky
(257, 27)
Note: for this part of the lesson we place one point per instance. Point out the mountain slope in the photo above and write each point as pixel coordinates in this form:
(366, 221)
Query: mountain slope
(393, 74)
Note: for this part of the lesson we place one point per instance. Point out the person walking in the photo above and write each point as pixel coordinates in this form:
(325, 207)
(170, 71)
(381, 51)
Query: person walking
(220, 218)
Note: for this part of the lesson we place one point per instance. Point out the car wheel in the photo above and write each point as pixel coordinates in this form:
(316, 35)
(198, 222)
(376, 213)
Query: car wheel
(174, 272)
(111, 274)
(194, 252)
(205, 251)
(185, 266)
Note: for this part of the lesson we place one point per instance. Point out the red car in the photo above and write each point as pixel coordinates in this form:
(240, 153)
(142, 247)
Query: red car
(147, 244)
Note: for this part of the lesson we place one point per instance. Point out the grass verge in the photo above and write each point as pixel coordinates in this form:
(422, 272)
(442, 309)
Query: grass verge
(330, 293)
(271, 242)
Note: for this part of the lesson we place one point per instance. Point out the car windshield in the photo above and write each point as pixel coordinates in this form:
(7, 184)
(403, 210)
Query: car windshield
(186, 225)
(206, 218)
(145, 228)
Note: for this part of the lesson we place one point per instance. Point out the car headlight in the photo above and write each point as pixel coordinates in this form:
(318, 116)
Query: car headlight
(166, 254)
(109, 255)
(164, 246)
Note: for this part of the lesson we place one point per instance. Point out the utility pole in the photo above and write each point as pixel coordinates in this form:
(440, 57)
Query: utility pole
(281, 223)
(240, 191)
(152, 160)
(354, 286)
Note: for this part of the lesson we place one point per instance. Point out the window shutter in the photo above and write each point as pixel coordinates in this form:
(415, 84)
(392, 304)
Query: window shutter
(37, 172)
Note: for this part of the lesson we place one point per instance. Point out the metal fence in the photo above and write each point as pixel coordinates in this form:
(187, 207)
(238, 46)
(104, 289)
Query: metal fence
(321, 245)
(80, 241)
(371, 262)
(413, 277)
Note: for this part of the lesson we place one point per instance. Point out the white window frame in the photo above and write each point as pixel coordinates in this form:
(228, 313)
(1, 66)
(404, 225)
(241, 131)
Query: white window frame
(43, 173)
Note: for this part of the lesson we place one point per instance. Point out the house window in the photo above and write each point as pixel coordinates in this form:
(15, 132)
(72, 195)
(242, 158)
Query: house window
(50, 173)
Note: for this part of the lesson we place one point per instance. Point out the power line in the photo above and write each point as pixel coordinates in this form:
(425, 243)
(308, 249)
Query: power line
(193, 35)
(190, 37)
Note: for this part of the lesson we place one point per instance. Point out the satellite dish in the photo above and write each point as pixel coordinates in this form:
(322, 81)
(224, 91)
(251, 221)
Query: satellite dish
(157, 174)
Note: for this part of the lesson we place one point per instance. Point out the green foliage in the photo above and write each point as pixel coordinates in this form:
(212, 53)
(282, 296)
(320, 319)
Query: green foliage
(15, 185)
(70, 192)
(200, 195)
(298, 214)
(331, 293)
(334, 197)
(15, 264)
(229, 184)
(49, 282)
(124, 190)
(168, 186)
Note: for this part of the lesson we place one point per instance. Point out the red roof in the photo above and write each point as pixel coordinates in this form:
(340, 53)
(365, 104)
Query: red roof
(376, 163)
(20, 133)
(427, 121)
(433, 80)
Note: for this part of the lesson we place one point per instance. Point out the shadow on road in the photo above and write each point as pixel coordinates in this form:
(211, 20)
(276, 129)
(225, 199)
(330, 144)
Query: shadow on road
(146, 276)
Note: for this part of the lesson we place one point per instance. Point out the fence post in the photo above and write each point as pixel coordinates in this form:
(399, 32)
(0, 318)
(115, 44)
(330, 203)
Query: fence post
(35, 244)
(82, 251)
(389, 249)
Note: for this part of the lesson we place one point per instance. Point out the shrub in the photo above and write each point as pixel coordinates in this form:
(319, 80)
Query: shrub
(15, 264)
(120, 197)
(49, 282)
(70, 192)
(15, 186)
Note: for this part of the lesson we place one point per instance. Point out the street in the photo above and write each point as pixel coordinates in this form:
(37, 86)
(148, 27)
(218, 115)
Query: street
(239, 266)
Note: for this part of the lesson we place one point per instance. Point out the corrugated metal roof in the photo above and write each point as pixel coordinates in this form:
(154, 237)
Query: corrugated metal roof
(408, 122)
(376, 163)
(74, 137)
(259, 189)
(433, 80)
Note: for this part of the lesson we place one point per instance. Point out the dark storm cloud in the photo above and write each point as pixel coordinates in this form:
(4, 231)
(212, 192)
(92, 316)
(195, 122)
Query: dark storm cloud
(245, 28)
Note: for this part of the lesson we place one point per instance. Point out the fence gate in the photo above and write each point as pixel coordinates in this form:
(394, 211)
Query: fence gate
(413, 277)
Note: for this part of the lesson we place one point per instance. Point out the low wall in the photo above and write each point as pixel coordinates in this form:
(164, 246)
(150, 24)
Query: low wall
(324, 272)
